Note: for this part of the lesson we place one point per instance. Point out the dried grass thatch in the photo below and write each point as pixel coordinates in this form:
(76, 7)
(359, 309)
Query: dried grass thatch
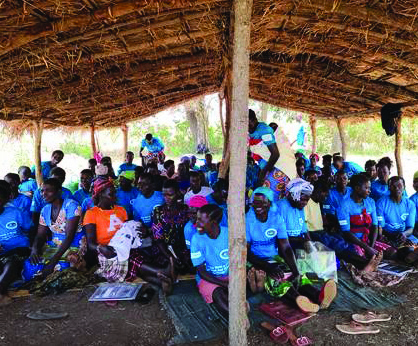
(78, 62)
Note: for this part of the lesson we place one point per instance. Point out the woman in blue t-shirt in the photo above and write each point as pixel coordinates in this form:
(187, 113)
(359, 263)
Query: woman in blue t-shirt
(61, 217)
(14, 244)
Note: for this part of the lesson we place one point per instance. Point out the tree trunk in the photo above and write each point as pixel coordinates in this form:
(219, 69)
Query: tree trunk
(398, 146)
(124, 129)
(93, 141)
(199, 123)
(342, 138)
(312, 123)
(238, 163)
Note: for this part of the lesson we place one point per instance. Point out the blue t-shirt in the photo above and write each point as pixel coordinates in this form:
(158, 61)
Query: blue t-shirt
(155, 146)
(38, 202)
(80, 195)
(126, 167)
(414, 199)
(294, 218)
(45, 168)
(23, 202)
(212, 252)
(189, 231)
(87, 204)
(262, 236)
(350, 168)
(28, 185)
(395, 217)
(143, 207)
(12, 229)
(263, 133)
(350, 210)
(335, 199)
(124, 198)
(379, 189)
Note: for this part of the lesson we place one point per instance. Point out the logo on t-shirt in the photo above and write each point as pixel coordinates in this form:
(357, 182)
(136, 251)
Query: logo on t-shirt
(404, 216)
(11, 225)
(300, 221)
(224, 254)
(270, 233)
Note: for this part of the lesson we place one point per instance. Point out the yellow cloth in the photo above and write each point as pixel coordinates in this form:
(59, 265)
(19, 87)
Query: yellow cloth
(313, 217)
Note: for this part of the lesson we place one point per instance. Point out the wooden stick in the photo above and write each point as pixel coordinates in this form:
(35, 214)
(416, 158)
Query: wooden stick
(238, 163)
(93, 141)
(125, 138)
(398, 147)
(221, 117)
(342, 137)
(312, 122)
(38, 128)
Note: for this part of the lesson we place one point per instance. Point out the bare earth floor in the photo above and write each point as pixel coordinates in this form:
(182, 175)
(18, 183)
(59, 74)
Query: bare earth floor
(133, 324)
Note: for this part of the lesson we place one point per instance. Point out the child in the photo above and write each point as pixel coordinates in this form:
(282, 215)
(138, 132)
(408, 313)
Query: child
(14, 244)
(27, 185)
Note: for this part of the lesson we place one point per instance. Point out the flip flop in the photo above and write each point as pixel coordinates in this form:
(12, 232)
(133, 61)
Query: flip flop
(355, 328)
(277, 334)
(39, 315)
(298, 341)
(370, 317)
(329, 292)
(306, 305)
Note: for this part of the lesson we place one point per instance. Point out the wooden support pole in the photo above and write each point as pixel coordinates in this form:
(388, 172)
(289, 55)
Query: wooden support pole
(38, 128)
(264, 111)
(125, 138)
(93, 141)
(342, 138)
(238, 163)
(398, 146)
(312, 123)
(221, 117)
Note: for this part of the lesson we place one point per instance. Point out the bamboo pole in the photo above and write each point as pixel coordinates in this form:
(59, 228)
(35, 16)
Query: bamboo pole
(38, 128)
(93, 140)
(398, 146)
(312, 123)
(342, 138)
(125, 138)
(238, 162)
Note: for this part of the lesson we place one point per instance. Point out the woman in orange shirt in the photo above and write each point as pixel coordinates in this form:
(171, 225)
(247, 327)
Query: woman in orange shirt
(102, 222)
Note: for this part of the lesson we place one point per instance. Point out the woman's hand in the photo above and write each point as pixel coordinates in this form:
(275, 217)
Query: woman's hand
(106, 251)
(370, 251)
(275, 271)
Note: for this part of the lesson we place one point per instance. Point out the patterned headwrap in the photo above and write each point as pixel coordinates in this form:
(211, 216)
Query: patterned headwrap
(314, 155)
(101, 184)
(197, 201)
(416, 175)
(130, 175)
(297, 187)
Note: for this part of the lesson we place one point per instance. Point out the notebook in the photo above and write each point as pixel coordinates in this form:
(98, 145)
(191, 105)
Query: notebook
(115, 291)
(394, 269)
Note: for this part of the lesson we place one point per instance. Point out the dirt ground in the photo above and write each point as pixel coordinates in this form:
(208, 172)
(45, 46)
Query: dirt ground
(130, 323)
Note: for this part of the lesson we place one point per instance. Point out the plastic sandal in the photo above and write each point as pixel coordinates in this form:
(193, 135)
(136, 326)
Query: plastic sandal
(277, 334)
(370, 317)
(306, 305)
(298, 341)
(355, 328)
(39, 315)
(329, 292)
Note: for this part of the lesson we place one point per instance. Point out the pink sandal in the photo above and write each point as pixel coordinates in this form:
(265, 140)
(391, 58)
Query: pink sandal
(277, 334)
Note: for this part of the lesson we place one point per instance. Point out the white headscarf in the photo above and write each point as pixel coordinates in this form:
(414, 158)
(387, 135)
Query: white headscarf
(297, 187)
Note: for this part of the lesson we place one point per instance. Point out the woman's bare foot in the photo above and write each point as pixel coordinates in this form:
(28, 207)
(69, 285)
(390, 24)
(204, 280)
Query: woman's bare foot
(5, 300)
(260, 276)
(373, 263)
(378, 259)
(252, 280)
(166, 283)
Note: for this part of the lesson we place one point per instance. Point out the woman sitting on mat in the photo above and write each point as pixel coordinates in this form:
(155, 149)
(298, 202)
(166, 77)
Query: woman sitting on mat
(61, 217)
(396, 216)
(102, 222)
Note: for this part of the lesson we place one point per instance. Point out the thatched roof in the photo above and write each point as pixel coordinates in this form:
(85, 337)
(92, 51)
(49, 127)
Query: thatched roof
(74, 62)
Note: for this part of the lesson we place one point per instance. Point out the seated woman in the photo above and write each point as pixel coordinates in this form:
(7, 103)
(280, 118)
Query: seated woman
(61, 217)
(396, 216)
(209, 254)
(190, 229)
(379, 187)
(267, 240)
(169, 220)
(291, 210)
(313, 160)
(126, 193)
(358, 220)
(14, 244)
(101, 223)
